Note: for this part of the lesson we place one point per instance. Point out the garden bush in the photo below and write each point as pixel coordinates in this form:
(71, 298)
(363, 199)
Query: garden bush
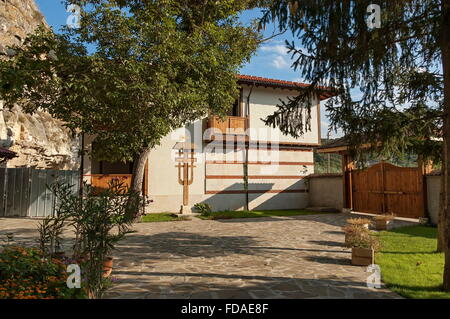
(100, 219)
(203, 209)
(25, 273)
(360, 237)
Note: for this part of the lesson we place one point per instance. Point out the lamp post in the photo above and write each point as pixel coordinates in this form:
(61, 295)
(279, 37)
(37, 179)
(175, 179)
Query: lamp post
(185, 163)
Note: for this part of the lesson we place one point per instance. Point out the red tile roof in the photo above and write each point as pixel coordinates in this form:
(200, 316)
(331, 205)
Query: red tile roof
(325, 92)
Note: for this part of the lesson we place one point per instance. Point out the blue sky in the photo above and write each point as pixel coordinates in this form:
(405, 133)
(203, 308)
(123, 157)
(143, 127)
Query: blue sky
(271, 60)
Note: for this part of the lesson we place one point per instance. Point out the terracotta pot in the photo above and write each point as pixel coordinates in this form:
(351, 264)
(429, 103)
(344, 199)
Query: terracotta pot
(107, 267)
(362, 256)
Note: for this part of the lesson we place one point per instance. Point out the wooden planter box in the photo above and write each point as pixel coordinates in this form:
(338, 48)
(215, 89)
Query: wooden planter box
(381, 224)
(362, 256)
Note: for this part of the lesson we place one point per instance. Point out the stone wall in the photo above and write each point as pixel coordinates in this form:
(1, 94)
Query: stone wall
(326, 190)
(40, 140)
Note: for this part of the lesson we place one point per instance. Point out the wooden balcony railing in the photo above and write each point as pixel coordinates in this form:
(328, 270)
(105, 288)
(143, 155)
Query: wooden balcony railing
(231, 125)
(102, 181)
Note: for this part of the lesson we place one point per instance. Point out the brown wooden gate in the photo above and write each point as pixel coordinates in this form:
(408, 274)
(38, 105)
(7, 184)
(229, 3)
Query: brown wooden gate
(386, 188)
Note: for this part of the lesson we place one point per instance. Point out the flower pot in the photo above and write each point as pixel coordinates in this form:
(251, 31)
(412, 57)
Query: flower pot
(362, 256)
(382, 224)
(107, 267)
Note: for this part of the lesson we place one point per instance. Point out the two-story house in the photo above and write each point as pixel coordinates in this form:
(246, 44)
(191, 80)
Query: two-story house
(230, 163)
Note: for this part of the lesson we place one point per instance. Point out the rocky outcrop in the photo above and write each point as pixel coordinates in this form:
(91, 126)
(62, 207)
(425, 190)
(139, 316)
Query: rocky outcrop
(17, 19)
(40, 140)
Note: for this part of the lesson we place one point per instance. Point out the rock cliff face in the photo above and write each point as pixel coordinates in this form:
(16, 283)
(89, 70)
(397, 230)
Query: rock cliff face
(17, 19)
(40, 140)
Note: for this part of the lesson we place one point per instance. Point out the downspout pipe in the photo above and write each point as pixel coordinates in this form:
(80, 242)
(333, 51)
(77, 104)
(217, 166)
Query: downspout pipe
(82, 165)
(247, 146)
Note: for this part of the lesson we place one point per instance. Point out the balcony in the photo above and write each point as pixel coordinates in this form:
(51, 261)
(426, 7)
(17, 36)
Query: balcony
(231, 126)
(101, 182)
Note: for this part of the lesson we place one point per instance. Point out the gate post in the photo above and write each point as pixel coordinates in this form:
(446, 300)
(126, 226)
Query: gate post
(347, 166)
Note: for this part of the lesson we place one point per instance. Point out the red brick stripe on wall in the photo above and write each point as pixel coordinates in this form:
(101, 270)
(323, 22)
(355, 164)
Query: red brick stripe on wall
(273, 191)
(260, 163)
(254, 177)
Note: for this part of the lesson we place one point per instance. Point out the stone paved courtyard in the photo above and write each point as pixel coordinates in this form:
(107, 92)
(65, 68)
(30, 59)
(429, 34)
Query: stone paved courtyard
(277, 257)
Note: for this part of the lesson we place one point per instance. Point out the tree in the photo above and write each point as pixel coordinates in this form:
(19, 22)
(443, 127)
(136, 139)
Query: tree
(401, 67)
(133, 71)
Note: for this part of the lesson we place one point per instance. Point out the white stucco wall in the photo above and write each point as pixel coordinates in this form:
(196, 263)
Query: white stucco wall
(286, 190)
(263, 102)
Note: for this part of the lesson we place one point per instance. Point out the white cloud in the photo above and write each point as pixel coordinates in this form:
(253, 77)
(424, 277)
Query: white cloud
(280, 62)
(278, 49)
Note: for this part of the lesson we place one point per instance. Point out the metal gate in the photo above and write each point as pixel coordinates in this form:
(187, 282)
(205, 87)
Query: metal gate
(24, 191)
(386, 188)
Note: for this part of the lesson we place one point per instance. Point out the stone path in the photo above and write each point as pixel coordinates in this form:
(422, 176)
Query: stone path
(279, 257)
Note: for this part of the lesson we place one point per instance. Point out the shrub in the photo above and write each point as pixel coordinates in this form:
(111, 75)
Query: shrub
(50, 234)
(359, 221)
(204, 209)
(100, 220)
(25, 273)
(352, 230)
(360, 237)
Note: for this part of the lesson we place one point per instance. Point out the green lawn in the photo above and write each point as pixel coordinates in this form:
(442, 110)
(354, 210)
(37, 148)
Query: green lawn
(259, 213)
(162, 217)
(409, 263)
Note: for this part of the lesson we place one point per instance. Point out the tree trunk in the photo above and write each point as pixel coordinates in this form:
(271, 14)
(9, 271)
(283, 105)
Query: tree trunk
(441, 219)
(137, 177)
(445, 45)
(138, 170)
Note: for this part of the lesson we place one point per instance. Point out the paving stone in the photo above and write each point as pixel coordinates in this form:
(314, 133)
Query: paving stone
(294, 257)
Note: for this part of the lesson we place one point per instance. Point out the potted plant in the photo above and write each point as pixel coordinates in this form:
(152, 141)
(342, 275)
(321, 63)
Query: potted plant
(365, 222)
(383, 222)
(363, 246)
(100, 221)
(350, 231)
(107, 267)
